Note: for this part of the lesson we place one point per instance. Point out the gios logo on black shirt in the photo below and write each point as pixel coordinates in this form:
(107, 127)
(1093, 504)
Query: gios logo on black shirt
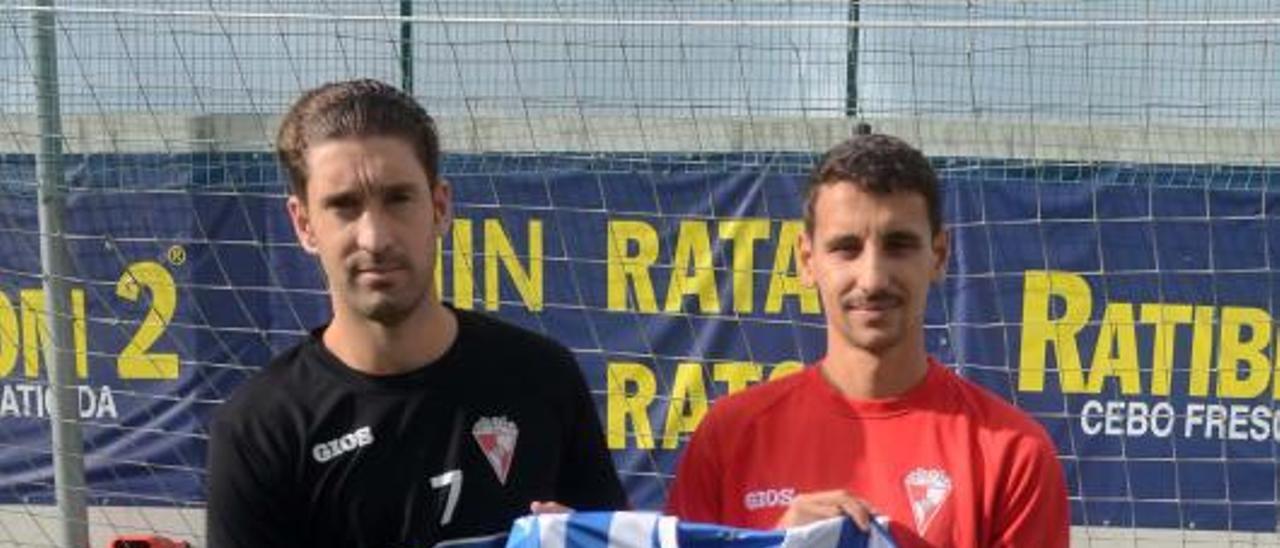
(355, 439)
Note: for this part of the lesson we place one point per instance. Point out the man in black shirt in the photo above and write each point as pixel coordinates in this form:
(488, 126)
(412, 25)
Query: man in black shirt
(403, 422)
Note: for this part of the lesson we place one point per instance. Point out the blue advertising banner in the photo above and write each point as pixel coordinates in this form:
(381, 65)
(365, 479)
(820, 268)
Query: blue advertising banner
(1127, 307)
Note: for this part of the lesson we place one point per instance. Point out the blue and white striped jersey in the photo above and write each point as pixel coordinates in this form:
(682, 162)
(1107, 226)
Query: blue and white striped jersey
(651, 530)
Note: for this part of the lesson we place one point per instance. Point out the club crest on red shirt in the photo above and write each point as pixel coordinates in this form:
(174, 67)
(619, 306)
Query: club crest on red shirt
(927, 489)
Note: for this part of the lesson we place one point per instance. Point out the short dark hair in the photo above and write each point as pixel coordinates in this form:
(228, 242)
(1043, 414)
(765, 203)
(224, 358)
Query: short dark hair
(354, 108)
(876, 163)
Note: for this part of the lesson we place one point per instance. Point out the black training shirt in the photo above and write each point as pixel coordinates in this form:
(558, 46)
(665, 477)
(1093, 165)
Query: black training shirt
(310, 452)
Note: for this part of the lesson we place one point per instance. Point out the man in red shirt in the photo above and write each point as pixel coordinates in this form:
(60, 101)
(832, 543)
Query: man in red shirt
(877, 427)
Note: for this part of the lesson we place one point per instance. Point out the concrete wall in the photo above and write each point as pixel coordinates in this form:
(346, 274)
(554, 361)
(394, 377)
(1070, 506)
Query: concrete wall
(939, 136)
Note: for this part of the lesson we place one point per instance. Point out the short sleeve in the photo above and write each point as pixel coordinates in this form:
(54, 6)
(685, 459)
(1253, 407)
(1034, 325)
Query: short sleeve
(248, 501)
(588, 479)
(1034, 510)
(695, 493)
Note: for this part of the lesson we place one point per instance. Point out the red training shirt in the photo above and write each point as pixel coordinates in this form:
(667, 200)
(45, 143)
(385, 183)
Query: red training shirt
(947, 462)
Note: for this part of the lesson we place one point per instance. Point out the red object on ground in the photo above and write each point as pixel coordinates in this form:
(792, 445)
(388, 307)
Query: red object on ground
(146, 541)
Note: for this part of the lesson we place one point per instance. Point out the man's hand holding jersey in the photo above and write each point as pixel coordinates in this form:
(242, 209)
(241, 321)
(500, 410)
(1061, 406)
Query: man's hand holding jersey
(807, 508)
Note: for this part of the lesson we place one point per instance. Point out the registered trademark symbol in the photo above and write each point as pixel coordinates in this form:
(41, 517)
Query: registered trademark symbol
(176, 255)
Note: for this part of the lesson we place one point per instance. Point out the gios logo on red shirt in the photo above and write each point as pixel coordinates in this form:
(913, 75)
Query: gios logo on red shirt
(768, 498)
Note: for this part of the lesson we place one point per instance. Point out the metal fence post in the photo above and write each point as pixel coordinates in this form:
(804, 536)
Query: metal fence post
(59, 356)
